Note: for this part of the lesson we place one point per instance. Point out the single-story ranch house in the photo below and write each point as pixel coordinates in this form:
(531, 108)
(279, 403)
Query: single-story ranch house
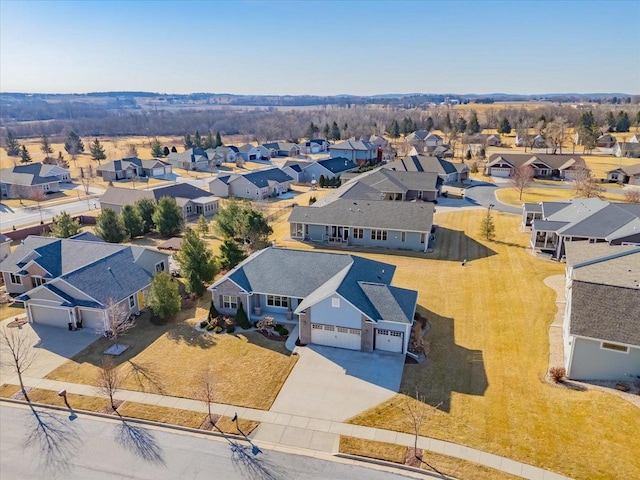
(72, 282)
(546, 166)
(24, 181)
(255, 185)
(338, 300)
(327, 168)
(362, 153)
(601, 327)
(191, 159)
(629, 174)
(133, 167)
(449, 172)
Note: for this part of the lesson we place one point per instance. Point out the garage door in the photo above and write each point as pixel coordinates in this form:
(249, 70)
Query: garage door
(253, 157)
(92, 319)
(57, 317)
(500, 172)
(388, 340)
(335, 336)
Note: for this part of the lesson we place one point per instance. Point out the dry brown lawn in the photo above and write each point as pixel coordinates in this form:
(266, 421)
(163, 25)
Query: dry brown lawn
(155, 413)
(170, 359)
(227, 425)
(511, 196)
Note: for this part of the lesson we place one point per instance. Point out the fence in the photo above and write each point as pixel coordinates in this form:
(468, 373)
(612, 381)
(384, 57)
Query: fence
(45, 228)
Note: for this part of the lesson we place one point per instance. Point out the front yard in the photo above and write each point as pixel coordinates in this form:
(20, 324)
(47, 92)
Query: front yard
(248, 370)
(511, 196)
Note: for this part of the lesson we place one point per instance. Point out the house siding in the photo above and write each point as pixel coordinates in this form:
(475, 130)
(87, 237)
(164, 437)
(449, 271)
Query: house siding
(590, 362)
(394, 238)
(229, 288)
(304, 330)
(397, 327)
(344, 316)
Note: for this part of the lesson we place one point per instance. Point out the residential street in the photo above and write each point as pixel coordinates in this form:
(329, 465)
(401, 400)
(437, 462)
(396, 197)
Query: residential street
(103, 449)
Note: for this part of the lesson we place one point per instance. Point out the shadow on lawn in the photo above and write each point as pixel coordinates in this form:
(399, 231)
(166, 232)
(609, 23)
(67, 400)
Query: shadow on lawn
(449, 367)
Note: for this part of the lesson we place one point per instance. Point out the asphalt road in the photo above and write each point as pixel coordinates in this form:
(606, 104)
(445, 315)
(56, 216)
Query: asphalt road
(483, 193)
(49, 445)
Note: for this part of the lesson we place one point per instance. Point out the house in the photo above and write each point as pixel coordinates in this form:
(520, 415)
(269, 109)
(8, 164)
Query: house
(365, 223)
(328, 168)
(295, 169)
(539, 142)
(337, 300)
(606, 141)
(449, 172)
(133, 167)
(219, 155)
(192, 200)
(629, 175)
(256, 185)
(635, 139)
(627, 149)
(5, 246)
(24, 181)
(282, 149)
(424, 141)
(72, 282)
(493, 141)
(545, 166)
(191, 159)
(601, 328)
(554, 224)
(249, 153)
(316, 145)
(265, 153)
(362, 153)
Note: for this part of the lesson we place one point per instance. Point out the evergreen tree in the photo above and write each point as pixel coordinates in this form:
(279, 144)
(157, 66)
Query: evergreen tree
(164, 297)
(487, 227)
(25, 156)
(230, 255)
(167, 217)
(213, 311)
(326, 132)
(461, 125)
(197, 140)
(174, 149)
(241, 317)
(505, 126)
(197, 264)
(61, 161)
(256, 229)
(146, 207)
(588, 130)
(11, 145)
(64, 226)
(473, 126)
(622, 122)
(393, 129)
(203, 225)
(312, 131)
(610, 120)
(322, 181)
(218, 140)
(428, 124)
(335, 131)
(166, 152)
(156, 148)
(188, 142)
(467, 156)
(132, 220)
(73, 145)
(97, 151)
(46, 146)
(447, 126)
(209, 141)
(109, 227)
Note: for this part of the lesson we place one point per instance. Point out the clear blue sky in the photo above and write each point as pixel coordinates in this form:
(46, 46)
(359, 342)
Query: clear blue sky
(323, 48)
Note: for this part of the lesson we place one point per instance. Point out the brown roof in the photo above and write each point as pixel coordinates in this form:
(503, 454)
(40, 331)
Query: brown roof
(173, 243)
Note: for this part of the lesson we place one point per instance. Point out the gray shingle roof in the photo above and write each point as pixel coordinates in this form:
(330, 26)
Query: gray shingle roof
(557, 162)
(392, 303)
(423, 163)
(378, 214)
(261, 178)
(124, 163)
(32, 174)
(338, 164)
(353, 145)
(124, 196)
(128, 196)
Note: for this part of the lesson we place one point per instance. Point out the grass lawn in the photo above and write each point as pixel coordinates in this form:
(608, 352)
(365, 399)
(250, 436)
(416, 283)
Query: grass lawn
(8, 311)
(248, 369)
(488, 354)
(511, 196)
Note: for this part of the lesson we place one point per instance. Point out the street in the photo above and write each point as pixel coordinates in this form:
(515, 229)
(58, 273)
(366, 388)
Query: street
(43, 443)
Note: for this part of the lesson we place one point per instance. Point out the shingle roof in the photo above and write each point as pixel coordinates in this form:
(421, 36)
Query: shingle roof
(557, 162)
(124, 163)
(422, 163)
(630, 170)
(338, 164)
(620, 267)
(353, 145)
(261, 178)
(31, 174)
(128, 196)
(392, 303)
(124, 196)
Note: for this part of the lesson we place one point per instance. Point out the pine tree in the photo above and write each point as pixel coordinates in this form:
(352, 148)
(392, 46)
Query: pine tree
(393, 129)
(428, 124)
(146, 207)
(166, 152)
(203, 225)
(326, 132)
(622, 122)
(156, 148)
(174, 149)
(188, 142)
(64, 226)
(312, 131)
(164, 297)
(197, 264)
(487, 227)
(335, 131)
(73, 145)
(167, 217)
(505, 126)
(461, 125)
(97, 151)
(61, 161)
(209, 141)
(473, 126)
(218, 140)
(447, 126)
(610, 120)
(213, 311)
(197, 140)
(132, 220)
(25, 156)
(11, 145)
(241, 317)
(230, 255)
(322, 181)
(109, 227)
(46, 146)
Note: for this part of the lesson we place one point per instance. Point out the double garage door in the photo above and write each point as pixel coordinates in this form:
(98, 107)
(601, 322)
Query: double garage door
(500, 172)
(332, 336)
(60, 317)
(388, 340)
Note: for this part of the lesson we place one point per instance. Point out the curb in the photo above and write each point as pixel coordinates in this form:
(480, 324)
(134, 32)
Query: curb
(385, 463)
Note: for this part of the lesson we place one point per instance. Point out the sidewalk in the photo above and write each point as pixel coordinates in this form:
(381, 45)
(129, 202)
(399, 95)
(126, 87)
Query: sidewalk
(291, 431)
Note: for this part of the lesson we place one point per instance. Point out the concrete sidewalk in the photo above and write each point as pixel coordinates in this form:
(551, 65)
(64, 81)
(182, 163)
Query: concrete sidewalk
(292, 431)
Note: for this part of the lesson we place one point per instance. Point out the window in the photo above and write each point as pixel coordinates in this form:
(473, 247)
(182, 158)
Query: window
(229, 302)
(335, 302)
(37, 281)
(613, 346)
(159, 267)
(277, 301)
(132, 301)
(16, 279)
(403, 236)
(379, 235)
(423, 237)
(248, 193)
(358, 233)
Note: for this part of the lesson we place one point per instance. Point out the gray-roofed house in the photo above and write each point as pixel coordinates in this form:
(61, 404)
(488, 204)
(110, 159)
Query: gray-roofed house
(316, 145)
(192, 200)
(133, 167)
(544, 165)
(255, 185)
(629, 174)
(23, 181)
(328, 168)
(295, 169)
(362, 153)
(601, 328)
(221, 154)
(555, 224)
(5, 246)
(191, 159)
(249, 153)
(627, 149)
(72, 282)
(282, 149)
(449, 172)
(337, 300)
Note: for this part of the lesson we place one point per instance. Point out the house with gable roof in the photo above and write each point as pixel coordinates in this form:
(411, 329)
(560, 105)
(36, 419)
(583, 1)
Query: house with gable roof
(249, 153)
(601, 327)
(336, 300)
(23, 181)
(191, 159)
(544, 165)
(255, 185)
(72, 282)
(282, 149)
(328, 167)
(449, 172)
(362, 153)
(629, 174)
(133, 167)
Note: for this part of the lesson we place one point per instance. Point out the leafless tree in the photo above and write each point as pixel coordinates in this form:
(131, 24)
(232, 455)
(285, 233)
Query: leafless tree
(132, 150)
(556, 133)
(23, 192)
(207, 394)
(416, 411)
(521, 178)
(17, 351)
(39, 196)
(109, 381)
(116, 322)
(632, 196)
(85, 180)
(584, 185)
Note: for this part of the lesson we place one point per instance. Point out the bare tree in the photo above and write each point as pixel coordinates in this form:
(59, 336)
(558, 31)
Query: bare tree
(17, 351)
(39, 196)
(416, 411)
(85, 180)
(207, 389)
(521, 178)
(632, 196)
(109, 381)
(556, 133)
(132, 150)
(584, 185)
(116, 323)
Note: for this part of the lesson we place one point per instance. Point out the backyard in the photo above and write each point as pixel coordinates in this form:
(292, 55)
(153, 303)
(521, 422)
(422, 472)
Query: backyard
(511, 196)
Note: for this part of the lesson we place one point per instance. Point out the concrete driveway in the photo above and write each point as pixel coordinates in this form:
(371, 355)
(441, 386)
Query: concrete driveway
(53, 346)
(336, 384)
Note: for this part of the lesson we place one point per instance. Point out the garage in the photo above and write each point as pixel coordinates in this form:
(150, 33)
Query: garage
(91, 319)
(158, 172)
(500, 172)
(53, 316)
(389, 340)
(253, 157)
(332, 336)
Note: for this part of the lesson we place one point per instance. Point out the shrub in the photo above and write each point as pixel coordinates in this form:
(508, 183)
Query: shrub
(217, 329)
(281, 330)
(210, 327)
(213, 312)
(231, 328)
(474, 167)
(204, 323)
(241, 317)
(557, 374)
(312, 200)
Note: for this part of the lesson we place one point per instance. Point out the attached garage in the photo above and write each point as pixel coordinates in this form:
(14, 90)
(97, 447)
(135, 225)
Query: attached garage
(333, 336)
(389, 340)
(500, 172)
(253, 157)
(158, 172)
(91, 319)
(53, 316)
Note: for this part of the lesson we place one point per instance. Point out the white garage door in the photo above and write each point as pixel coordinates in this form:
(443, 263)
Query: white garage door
(500, 172)
(158, 172)
(57, 317)
(92, 319)
(335, 336)
(388, 340)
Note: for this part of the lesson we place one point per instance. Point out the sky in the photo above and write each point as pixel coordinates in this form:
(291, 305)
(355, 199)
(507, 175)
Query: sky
(320, 48)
